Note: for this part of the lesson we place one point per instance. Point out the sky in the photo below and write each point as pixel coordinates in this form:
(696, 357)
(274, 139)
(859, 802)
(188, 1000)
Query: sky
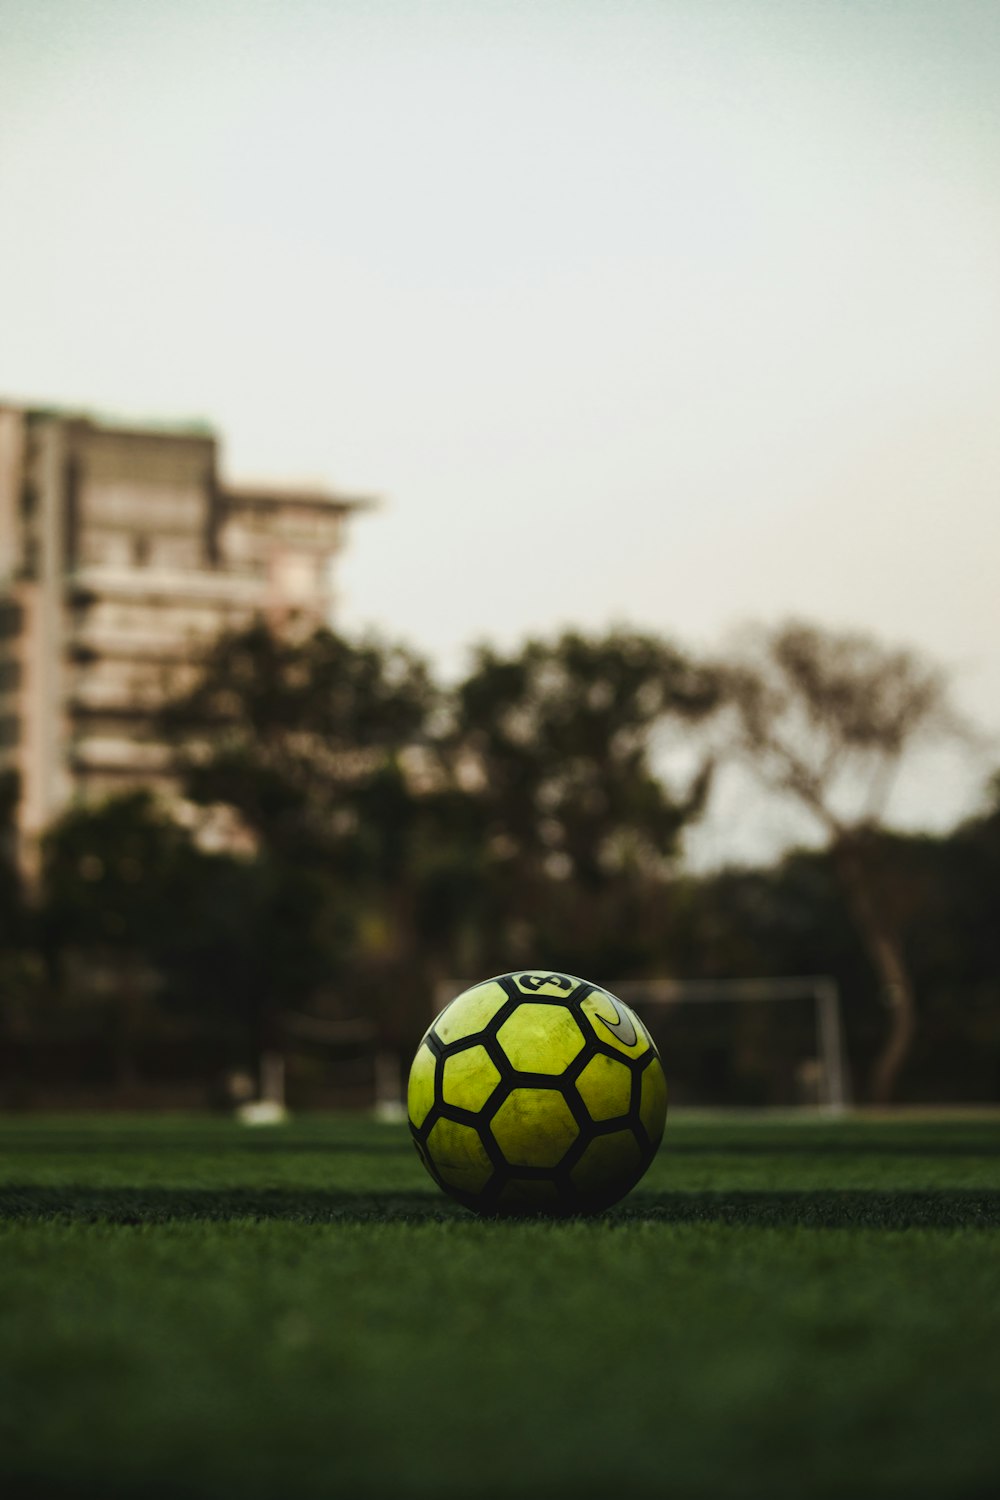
(677, 314)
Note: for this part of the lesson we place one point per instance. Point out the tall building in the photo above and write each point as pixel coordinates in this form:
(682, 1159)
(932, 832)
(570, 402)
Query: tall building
(122, 554)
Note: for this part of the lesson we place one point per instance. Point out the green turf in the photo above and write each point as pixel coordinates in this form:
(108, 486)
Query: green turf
(784, 1309)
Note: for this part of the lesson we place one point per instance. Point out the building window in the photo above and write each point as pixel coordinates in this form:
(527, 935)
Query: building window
(10, 619)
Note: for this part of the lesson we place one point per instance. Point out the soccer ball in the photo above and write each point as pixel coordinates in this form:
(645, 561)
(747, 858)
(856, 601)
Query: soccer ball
(537, 1093)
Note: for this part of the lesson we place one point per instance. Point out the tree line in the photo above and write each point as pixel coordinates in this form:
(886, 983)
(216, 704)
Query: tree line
(352, 833)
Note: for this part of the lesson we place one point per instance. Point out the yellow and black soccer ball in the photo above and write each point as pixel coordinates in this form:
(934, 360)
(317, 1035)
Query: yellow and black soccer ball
(537, 1093)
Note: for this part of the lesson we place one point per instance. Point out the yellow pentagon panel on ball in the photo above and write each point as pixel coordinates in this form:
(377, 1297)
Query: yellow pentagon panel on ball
(653, 1101)
(611, 1165)
(420, 1094)
(615, 1025)
(469, 1078)
(534, 1127)
(459, 1156)
(470, 1012)
(541, 1038)
(605, 1086)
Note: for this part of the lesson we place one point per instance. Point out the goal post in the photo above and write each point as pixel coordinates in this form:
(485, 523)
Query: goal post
(821, 990)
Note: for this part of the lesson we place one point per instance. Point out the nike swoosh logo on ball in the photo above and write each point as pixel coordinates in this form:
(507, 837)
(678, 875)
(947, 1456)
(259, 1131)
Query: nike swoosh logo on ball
(621, 1027)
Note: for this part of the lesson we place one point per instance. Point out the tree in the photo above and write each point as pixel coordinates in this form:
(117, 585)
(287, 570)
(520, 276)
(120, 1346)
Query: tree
(557, 745)
(110, 878)
(133, 911)
(283, 729)
(249, 941)
(827, 719)
(315, 744)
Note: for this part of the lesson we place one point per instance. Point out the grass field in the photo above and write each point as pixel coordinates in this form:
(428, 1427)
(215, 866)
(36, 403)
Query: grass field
(191, 1308)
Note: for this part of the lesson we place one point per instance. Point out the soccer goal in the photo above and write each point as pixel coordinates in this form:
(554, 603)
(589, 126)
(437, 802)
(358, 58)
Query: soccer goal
(821, 1068)
(744, 1042)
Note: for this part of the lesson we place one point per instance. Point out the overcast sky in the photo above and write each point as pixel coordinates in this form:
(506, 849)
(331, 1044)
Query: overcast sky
(676, 314)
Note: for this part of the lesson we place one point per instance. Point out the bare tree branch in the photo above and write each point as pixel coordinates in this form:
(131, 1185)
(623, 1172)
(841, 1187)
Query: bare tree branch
(826, 718)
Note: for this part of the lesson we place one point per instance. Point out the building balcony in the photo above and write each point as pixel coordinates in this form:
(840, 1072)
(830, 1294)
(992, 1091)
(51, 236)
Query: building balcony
(88, 643)
(107, 753)
(221, 588)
